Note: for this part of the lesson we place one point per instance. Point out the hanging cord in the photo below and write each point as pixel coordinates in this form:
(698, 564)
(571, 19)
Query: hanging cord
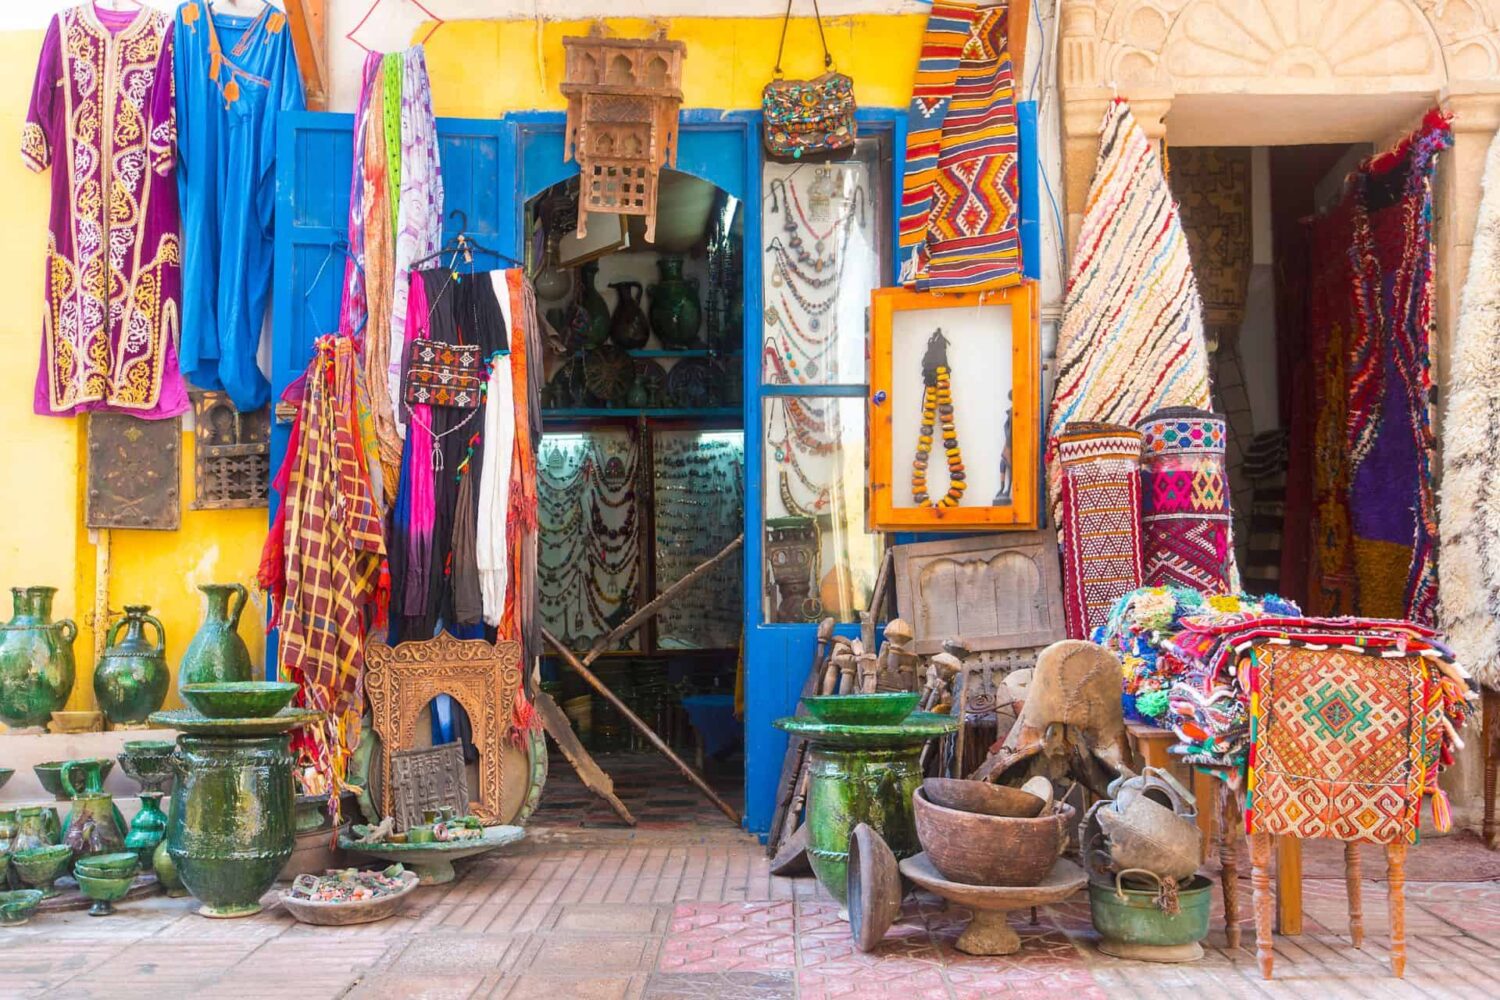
(787, 20)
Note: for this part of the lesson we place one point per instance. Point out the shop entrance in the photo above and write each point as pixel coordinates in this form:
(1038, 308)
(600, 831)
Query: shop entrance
(641, 480)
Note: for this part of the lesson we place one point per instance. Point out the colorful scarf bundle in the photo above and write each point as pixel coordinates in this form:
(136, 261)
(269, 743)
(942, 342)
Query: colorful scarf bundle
(960, 227)
(1100, 528)
(1132, 333)
(395, 219)
(322, 559)
(1185, 520)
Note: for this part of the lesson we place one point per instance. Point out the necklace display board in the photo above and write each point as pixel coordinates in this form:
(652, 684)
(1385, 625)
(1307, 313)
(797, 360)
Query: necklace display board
(700, 508)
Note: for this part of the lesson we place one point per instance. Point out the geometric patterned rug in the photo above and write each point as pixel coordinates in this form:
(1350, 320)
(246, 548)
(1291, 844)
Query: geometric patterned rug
(1339, 743)
(1185, 518)
(1100, 521)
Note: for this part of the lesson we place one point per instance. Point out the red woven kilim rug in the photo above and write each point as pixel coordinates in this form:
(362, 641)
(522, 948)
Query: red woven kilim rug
(1100, 521)
(1185, 526)
(1339, 743)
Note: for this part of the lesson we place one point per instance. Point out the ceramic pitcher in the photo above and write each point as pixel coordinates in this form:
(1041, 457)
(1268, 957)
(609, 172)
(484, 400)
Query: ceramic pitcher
(628, 328)
(36, 659)
(94, 825)
(588, 319)
(676, 313)
(132, 677)
(217, 653)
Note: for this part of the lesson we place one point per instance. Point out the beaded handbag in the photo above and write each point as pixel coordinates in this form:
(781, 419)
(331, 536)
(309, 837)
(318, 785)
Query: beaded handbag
(807, 118)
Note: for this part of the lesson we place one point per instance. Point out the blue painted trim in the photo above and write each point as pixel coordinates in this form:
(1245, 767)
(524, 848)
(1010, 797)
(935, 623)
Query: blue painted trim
(813, 390)
(1030, 207)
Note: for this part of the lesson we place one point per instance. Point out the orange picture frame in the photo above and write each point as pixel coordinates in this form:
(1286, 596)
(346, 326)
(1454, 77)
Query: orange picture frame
(972, 323)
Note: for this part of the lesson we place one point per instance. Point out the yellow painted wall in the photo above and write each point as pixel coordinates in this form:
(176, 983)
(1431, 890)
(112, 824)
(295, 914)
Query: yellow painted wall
(479, 69)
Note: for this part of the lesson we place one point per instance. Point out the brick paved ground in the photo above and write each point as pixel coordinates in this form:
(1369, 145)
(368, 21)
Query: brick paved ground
(691, 913)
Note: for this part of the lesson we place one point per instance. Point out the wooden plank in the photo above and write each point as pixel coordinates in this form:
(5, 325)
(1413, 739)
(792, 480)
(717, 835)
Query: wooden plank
(310, 40)
(796, 748)
(594, 777)
(1288, 886)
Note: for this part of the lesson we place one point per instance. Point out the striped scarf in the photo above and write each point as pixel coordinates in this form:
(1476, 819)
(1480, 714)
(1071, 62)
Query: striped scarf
(1132, 333)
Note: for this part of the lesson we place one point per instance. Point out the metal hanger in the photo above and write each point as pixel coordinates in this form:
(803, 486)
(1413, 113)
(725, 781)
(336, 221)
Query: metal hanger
(465, 246)
(338, 246)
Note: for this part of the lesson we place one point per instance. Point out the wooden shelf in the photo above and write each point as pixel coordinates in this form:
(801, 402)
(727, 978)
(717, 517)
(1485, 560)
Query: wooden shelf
(688, 352)
(662, 412)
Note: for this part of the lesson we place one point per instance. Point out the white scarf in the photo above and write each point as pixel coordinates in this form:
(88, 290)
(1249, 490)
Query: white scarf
(494, 480)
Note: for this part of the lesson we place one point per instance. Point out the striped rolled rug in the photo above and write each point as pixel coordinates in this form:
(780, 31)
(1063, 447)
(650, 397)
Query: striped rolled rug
(1186, 539)
(1132, 332)
(1100, 527)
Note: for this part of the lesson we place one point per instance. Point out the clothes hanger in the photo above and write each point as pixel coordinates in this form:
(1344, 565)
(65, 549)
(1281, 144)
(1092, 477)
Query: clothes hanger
(464, 245)
(339, 246)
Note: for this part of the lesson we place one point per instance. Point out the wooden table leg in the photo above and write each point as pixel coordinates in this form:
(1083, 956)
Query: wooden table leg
(1395, 857)
(1229, 863)
(1260, 881)
(1203, 795)
(1288, 886)
(1355, 891)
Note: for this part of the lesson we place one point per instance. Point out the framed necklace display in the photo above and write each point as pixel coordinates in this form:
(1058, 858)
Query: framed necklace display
(953, 409)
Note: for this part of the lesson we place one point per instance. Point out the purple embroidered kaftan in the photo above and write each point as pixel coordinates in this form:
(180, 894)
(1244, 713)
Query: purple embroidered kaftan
(102, 117)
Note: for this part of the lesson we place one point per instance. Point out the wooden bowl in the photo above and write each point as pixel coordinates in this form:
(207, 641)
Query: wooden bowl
(976, 849)
(888, 709)
(874, 887)
(965, 795)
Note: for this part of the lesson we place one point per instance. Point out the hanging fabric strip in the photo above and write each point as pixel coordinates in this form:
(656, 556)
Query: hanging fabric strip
(492, 555)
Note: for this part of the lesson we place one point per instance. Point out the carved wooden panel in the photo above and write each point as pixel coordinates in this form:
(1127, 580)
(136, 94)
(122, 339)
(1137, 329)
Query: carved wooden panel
(401, 680)
(429, 779)
(232, 458)
(134, 475)
(995, 592)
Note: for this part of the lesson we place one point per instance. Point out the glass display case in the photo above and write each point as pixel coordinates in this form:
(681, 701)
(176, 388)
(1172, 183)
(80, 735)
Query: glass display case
(699, 508)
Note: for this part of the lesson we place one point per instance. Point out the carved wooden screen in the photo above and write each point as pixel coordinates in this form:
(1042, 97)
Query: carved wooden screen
(401, 680)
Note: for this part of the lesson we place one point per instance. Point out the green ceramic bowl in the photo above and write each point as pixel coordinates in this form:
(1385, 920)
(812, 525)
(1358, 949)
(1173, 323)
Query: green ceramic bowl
(5, 773)
(105, 889)
(50, 774)
(239, 699)
(17, 907)
(41, 866)
(862, 709)
(120, 861)
(148, 748)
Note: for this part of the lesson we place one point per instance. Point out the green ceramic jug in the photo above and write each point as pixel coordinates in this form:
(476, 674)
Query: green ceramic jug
(36, 659)
(32, 830)
(676, 313)
(588, 319)
(132, 678)
(147, 829)
(94, 825)
(217, 653)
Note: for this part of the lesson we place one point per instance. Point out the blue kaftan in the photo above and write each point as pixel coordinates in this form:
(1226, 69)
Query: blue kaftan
(234, 76)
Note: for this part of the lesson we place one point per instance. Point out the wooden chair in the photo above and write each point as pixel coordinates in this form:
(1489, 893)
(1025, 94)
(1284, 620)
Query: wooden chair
(1342, 741)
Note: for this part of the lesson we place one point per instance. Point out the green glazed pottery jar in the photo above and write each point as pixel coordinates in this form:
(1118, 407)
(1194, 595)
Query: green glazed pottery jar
(33, 829)
(94, 824)
(232, 819)
(675, 312)
(132, 678)
(166, 870)
(147, 829)
(217, 653)
(36, 659)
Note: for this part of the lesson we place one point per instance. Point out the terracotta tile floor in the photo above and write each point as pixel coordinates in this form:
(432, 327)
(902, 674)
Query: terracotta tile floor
(691, 912)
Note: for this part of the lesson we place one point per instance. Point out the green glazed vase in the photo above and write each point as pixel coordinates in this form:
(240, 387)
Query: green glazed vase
(231, 830)
(850, 787)
(33, 829)
(147, 829)
(676, 312)
(132, 678)
(36, 659)
(217, 653)
(94, 825)
(588, 320)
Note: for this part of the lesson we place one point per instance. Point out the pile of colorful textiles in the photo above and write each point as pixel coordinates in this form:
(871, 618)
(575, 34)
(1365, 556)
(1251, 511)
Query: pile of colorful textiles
(322, 558)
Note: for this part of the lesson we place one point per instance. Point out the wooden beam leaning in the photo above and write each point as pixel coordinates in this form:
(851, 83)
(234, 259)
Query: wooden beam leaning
(594, 777)
(583, 671)
(310, 40)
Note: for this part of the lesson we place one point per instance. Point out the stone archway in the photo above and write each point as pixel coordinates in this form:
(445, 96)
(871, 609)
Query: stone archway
(1272, 72)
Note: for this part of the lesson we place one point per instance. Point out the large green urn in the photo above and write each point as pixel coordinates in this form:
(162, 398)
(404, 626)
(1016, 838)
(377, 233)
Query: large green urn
(676, 313)
(862, 774)
(36, 659)
(132, 678)
(217, 653)
(231, 827)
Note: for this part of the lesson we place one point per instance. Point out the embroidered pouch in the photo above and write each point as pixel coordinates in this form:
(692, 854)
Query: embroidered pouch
(443, 374)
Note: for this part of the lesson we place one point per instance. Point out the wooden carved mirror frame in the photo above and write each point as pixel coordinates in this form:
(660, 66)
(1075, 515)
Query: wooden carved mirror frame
(401, 680)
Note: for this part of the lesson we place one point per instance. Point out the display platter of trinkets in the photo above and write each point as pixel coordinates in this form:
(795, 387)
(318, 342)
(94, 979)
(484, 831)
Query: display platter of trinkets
(821, 262)
(700, 508)
(589, 556)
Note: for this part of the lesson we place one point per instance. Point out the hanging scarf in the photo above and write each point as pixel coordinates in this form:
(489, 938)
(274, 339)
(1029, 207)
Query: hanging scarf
(519, 619)
(419, 217)
(417, 471)
(492, 553)
(331, 549)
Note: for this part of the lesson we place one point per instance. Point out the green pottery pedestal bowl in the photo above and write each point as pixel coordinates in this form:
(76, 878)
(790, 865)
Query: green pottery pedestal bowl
(17, 907)
(148, 762)
(885, 709)
(41, 866)
(238, 699)
(104, 891)
(433, 861)
(862, 774)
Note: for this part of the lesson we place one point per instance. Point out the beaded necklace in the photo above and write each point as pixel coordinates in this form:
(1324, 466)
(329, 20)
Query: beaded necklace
(937, 406)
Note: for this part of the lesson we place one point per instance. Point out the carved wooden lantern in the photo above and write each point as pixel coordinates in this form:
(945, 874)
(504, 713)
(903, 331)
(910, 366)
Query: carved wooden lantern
(623, 97)
(401, 680)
